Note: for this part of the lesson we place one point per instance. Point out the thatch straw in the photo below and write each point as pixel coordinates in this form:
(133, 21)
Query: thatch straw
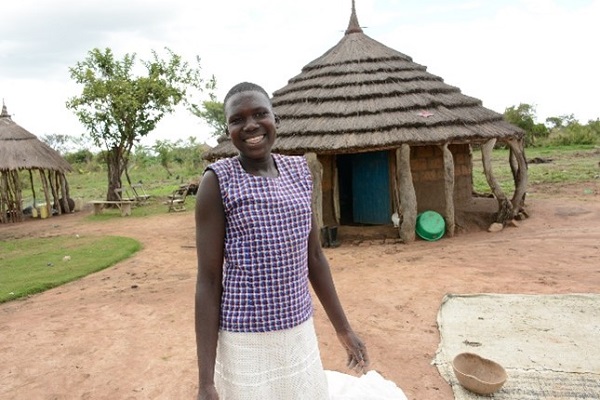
(20, 150)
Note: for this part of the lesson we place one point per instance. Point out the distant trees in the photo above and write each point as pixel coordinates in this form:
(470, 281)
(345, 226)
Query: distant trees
(57, 141)
(570, 132)
(118, 108)
(523, 116)
(563, 130)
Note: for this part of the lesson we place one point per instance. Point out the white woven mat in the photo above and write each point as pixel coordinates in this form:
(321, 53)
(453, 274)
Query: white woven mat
(548, 344)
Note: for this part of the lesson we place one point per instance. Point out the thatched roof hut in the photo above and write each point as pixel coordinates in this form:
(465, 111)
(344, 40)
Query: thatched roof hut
(21, 150)
(402, 123)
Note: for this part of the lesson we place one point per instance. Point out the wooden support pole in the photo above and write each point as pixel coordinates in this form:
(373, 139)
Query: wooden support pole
(316, 170)
(408, 198)
(336, 193)
(32, 187)
(448, 189)
(3, 196)
(46, 192)
(521, 178)
(14, 199)
(54, 187)
(505, 209)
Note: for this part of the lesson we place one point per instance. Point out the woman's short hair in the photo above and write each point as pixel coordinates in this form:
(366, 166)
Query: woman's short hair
(245, 87)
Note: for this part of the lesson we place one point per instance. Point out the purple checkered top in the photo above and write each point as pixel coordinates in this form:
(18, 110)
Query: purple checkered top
(265, 271)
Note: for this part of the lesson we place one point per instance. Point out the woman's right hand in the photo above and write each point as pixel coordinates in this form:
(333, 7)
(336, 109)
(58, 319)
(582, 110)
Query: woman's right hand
(208, 393)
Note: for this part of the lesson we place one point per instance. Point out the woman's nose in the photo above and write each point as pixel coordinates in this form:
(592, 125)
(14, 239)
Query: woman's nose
(250, 124)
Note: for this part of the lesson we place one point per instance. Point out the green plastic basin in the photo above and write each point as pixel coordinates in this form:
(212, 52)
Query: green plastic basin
(430, 226)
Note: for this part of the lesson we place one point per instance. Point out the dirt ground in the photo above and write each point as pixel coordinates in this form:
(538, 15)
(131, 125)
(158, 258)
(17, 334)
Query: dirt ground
(127, 332)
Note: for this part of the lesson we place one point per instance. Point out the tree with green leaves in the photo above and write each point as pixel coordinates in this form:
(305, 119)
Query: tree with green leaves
(164, 149)
(213, 114)
(119, 108)
(524, 116)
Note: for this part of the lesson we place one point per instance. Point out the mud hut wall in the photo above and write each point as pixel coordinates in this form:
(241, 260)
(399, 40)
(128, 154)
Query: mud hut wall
(427, 167)
(328, 163)
(463, 173)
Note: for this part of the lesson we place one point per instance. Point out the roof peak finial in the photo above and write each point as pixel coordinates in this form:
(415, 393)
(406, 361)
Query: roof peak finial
(353, 26)
(5, 113)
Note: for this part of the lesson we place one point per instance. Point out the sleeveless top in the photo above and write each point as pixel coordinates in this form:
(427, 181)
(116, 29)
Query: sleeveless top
(267, 223)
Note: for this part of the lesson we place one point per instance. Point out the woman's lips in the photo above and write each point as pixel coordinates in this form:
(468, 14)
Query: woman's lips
(255, 139)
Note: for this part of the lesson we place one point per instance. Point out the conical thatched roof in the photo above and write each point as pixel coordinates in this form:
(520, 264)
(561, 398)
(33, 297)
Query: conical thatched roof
(21, 150)
(364, 96)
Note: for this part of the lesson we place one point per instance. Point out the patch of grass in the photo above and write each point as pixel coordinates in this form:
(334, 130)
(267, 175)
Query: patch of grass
(572, 164)
(30, 266)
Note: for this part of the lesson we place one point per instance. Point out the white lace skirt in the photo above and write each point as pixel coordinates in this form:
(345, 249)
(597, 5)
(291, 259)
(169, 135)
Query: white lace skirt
(270, 366)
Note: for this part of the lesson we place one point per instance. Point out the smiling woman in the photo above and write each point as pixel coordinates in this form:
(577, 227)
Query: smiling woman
(258, 248)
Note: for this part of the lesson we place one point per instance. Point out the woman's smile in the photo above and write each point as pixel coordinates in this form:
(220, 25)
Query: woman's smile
(254, 140)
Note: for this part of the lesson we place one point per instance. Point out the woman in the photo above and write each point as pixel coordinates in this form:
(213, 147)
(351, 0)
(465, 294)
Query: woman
(258, 247)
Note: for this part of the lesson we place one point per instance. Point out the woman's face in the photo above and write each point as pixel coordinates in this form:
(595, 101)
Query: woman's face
(251, 124)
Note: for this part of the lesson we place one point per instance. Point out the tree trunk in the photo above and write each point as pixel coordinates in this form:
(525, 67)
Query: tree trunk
(520, 175)
(505, 209)
(115, 171)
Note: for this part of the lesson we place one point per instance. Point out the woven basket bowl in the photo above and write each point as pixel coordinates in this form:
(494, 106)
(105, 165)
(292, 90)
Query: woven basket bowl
(478, 374)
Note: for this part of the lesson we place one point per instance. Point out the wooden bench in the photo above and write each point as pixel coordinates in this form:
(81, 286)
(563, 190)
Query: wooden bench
(123, 205)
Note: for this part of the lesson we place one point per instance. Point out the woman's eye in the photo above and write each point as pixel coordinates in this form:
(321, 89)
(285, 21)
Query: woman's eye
(261, 114)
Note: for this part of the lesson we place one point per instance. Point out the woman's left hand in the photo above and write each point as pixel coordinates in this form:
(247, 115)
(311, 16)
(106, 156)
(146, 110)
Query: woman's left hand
(358, 359)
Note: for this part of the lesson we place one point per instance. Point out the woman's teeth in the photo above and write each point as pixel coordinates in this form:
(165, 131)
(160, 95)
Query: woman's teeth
(254, 140)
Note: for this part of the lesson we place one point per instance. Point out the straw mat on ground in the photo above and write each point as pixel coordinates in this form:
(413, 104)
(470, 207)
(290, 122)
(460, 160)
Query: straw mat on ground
(548, 344)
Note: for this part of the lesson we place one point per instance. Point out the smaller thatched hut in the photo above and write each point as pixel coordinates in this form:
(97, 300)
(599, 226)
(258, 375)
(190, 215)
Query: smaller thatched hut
(21, 150)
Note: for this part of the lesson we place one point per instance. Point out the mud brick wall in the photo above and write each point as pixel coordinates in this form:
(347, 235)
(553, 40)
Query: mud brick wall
(427, 167)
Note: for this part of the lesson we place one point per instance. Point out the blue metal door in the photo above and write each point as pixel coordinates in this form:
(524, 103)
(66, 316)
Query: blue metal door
(371, 189)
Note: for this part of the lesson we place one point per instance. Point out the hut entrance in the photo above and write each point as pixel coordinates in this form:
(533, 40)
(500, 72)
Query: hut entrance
(364, 188)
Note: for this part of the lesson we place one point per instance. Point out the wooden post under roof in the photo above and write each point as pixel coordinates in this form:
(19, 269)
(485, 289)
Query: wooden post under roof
(32, 187)
(448, 189)
(520, 175)
(52, 178)
(64, 190)
(316, 170)
(408, 198)
(336, 194)
(505, 209)
(46, 191)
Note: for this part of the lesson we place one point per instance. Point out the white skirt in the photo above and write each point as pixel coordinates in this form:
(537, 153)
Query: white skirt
(270, 366)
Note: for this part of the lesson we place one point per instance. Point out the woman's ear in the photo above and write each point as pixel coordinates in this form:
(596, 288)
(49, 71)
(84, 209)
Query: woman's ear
(277, 120)
(226, 131)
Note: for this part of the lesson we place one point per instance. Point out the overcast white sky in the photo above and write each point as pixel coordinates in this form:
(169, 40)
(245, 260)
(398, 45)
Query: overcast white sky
(504, 52)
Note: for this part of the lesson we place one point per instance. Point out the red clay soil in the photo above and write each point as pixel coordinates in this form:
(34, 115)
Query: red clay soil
(127, 332)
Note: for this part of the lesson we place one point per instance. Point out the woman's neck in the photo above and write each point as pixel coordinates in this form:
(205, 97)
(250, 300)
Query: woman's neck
(263, 167)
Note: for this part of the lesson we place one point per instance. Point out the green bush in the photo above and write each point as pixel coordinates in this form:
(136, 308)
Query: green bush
(82, 156)
(576, 134)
